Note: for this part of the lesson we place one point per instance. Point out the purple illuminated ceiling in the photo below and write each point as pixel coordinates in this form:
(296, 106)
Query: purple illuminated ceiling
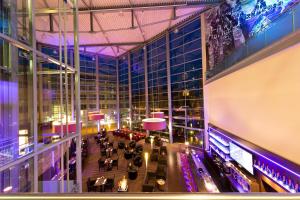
(113, 26)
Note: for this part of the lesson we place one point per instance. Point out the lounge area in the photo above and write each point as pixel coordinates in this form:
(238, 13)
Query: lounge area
(116, 163)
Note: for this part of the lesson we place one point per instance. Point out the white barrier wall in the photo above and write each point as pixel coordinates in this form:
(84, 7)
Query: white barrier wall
(261, 103)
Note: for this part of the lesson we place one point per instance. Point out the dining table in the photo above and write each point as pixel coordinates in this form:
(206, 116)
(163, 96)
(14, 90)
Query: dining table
(100, 182)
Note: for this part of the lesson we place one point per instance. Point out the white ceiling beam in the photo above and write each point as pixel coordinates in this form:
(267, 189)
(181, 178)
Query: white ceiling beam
(138, 23)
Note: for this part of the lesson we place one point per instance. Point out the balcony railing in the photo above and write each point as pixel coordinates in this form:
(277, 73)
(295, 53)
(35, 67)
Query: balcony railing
(284, 25)
(157, 196)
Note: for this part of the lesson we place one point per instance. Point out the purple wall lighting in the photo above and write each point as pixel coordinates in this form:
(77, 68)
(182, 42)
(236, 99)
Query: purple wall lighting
(280, 171)
(187, 174)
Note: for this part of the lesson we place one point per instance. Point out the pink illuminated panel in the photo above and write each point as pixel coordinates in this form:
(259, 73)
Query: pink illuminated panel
(154, 124)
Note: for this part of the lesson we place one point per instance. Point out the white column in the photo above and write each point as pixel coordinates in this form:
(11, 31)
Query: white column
(77, 97)
(130, 92)
(31, 8)
(118, 96)
(169, 88)
(146, 81)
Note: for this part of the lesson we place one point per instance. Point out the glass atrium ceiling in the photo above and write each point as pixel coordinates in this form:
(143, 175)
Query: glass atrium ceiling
(113, 27)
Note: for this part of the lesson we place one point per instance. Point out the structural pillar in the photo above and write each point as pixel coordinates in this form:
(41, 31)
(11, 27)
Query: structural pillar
(31, 8)
(118, 95)
(77, 96)
(170, 117)
(130, 92)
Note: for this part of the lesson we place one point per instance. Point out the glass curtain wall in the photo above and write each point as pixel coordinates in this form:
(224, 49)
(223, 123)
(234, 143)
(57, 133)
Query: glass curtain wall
(186, 83)
(108, 90)
(157, 79)
(88, 93)
(124, 92)
(49, 88)
(138, 88)
(88, 76)
(16, 127)
(27, 98)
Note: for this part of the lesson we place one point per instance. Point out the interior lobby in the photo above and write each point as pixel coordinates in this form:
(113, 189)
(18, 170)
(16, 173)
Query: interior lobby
(149, 99)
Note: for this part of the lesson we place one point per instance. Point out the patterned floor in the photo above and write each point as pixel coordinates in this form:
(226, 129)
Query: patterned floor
(175, 182)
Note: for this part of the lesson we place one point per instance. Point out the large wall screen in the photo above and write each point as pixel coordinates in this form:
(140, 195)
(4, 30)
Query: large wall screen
(241, 156)
(234, 21)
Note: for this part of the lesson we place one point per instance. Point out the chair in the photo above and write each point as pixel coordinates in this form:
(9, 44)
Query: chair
(115, 151)
(138, 148)
(91, 185)
(162, 160)
(161, 172)
(147, 188)
(110, 184)
(121, 145)
(111, 144)
(147, 140)
(163, 150)
(132, 144)
(132, 174)
(103, 152)
(116, 162)
(155, 151)
(151, 178)
(154, 157)
(138, 161)
(101, 163)
(127, 155)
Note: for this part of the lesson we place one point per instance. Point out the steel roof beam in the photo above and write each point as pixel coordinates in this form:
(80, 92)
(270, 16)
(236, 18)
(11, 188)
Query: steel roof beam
(109, 44)
(146, 6)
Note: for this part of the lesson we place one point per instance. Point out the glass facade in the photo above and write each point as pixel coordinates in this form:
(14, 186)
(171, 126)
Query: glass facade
(87, 86)
(124, 92)
(157, 78)
(186, 83)
(32, 86)
(138, 88)
(108, 89)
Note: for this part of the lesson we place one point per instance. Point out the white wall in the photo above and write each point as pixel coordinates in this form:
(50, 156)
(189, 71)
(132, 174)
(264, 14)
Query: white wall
(261, 103)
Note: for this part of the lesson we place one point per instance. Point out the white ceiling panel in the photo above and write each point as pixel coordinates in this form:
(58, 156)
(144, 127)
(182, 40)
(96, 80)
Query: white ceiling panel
(115, 20)
(113, 26)
(129, 35)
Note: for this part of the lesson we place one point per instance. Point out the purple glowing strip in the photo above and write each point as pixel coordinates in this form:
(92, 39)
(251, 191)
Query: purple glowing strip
(283, 167)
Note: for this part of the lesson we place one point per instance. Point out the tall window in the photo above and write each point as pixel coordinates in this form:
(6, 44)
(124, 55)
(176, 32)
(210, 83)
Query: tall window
(186, 83)
(157, 78)
(108, 89)
(138, 88)
(124, 92)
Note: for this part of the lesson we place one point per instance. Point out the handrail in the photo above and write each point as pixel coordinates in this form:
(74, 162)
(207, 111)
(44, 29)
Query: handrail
(155, 196)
